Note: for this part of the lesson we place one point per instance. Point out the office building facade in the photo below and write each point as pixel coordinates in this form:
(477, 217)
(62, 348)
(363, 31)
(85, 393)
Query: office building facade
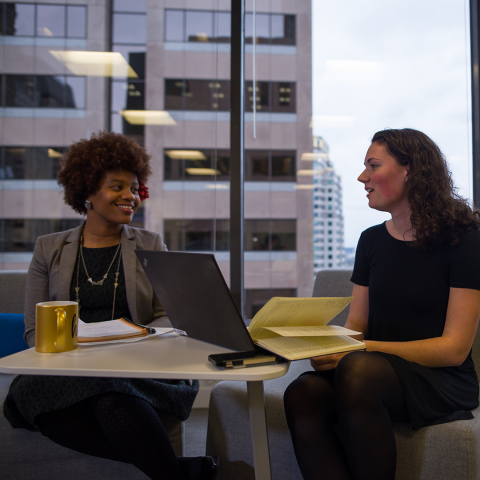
(174, 99)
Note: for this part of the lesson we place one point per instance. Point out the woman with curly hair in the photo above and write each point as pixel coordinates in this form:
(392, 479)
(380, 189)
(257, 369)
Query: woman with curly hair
(95, 264)
(416, 303)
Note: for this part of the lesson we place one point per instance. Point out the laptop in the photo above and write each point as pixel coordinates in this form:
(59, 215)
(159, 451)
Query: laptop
(198, 302)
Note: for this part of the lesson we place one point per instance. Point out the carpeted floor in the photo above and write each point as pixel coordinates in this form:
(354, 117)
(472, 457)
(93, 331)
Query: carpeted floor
(196, 432)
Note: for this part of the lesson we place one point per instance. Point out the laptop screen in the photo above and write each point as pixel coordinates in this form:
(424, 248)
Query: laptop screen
(196, 298)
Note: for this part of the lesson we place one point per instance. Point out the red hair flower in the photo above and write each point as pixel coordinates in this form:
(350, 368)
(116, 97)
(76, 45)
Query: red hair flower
(143, 192)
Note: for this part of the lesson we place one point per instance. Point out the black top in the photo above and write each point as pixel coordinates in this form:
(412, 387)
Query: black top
(408, 299)
(96, 301)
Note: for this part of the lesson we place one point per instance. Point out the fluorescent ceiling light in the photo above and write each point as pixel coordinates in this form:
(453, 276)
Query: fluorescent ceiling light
(304, 187)
(202, 171)
(54, 154)
(218, 187)
(332, 121)
(95, 64)
(310, 173)
(147, 117)
(314, 156)
(186, 154)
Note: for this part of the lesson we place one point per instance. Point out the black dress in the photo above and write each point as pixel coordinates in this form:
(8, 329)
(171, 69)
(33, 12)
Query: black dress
(31, 395)
(408, 299)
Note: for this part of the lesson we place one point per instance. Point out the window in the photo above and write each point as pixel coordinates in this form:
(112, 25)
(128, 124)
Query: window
(53, 21)
(257, 298)
(270, 165)
(30, 163)
(44, 91)
(275, 29)
(129, 28)
(196, 235)
(270, 235)
(20, 235)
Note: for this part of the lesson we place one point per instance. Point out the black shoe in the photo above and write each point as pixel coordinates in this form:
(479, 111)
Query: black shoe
(209, 468)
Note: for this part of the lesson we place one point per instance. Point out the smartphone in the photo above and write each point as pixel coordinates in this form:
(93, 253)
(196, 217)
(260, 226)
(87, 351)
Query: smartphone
(245, 359)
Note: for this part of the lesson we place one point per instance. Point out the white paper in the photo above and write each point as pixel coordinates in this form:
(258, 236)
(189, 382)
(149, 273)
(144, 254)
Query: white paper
(158, 331)
(320, 331)
(105, 329)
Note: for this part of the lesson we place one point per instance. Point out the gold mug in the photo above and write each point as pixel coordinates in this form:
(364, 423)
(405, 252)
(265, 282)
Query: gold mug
(56, 326)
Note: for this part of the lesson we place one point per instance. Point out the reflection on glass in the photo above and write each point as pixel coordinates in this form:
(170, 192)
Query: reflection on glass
(262, 28)
(198, 95)
(174, 25)
(75, 90)
(257, 166)
(223, 27)
(196, 235)
(52, 92)
(130, 6)
(198, 165)
(51, 20)
(20, 91)
(283, 30)
(135, 56)
(19, 19)
(19, 163)
(76, 22)
(199, 26)
(283, 166)
(128, 96)
(119, 96)
(20, 235)
(129, 28)
(270, 235)
(47, 162)
(174, 94)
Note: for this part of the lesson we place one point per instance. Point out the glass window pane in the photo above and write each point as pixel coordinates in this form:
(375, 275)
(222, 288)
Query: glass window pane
(220, 92)
(223, 27)
(270, 235)
(51, 20)
(76, 22)
(262, 28)
(263, 97)
(174, 98)
(18, 236)
(255, 299)
(283, 30)
(223, 165)
(198, 235)
(198, 94)
(135, 56)
(119, 96)
(200, 168)
(283, 97)
(257, 166)
(130, 6)
(75, 92)
(283, 235)
(19, 163)
(47, 162)
(19, 91)
(283, 166)
(51, 91)
(174, 25)
(257, 234)
(19, 19)
(129, 28)
(199, 26)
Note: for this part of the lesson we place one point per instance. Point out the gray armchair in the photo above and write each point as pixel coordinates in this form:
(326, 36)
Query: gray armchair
(440, 452)
(28, 455)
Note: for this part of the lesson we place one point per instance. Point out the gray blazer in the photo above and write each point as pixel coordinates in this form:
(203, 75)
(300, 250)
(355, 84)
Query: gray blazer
(50, 275)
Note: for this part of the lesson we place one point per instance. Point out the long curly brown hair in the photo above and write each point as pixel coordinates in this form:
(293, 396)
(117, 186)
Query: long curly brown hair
(439, 215)
(87, 161)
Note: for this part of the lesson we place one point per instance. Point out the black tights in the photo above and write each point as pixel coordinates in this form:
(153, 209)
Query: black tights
(117, 427)
(363, 395)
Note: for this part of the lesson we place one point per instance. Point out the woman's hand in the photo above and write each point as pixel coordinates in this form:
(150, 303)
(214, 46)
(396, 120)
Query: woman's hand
(326, 362)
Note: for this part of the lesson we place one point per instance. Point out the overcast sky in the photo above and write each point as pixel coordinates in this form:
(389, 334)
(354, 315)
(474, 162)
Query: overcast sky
(390, 64)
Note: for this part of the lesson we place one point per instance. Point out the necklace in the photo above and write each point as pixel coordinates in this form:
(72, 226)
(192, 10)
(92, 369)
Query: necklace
(100, 282)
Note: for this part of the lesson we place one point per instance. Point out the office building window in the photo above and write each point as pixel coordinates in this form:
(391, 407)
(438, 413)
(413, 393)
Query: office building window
(19, 235)
(209, 26)
(130, 28)
(43, 91)
(270, 235)
(201, 164)
(196, 235)
(40, 20)
(30, 163)
(255, 298)
(183, 94)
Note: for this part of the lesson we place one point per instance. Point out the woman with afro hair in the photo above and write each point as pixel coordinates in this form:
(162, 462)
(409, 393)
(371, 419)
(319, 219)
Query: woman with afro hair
(416, 289)
(94, 264)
